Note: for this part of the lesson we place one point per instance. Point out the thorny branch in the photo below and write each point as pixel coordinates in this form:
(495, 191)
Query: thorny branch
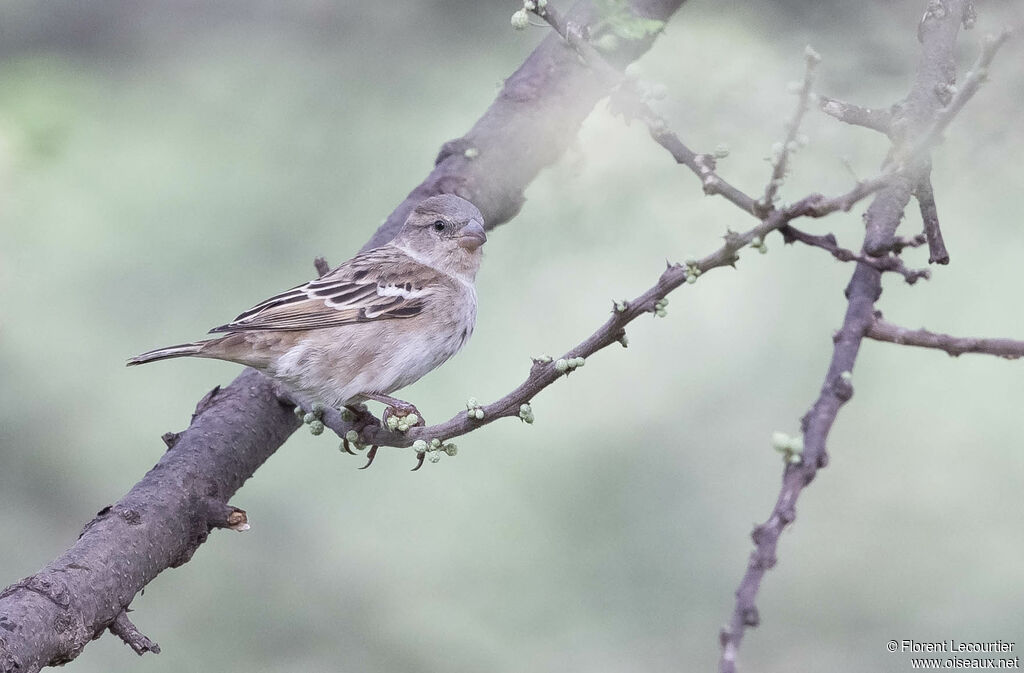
(882, 330)
(849, 113)
(938, 36)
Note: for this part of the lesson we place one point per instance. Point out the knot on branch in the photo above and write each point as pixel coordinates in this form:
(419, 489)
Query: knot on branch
(205, 403)
(220, 515)
(458, 146)
(123, 628)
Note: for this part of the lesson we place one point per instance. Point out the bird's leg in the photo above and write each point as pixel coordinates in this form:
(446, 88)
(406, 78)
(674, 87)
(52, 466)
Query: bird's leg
(396, 408)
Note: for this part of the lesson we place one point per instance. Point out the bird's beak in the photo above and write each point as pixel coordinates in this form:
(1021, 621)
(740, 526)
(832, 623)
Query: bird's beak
(472, 236)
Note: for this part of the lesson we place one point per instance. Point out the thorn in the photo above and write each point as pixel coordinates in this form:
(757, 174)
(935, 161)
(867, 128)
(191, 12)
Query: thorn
(346, 448)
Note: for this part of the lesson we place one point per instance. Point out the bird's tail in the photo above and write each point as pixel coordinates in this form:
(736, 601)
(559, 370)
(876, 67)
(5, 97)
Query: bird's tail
(180, 351)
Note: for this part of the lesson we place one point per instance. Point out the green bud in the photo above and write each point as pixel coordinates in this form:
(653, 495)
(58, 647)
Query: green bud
(471, 403)
(451, 449)
(561, 365)
(434, 457)
(435, 442)
(794, 459)
(419, 446)
(393, 422)
(479, 413)
(691, 279)
(520, 20)
(318, 409)
(309, 418)
(347, 416)
(403, 427)
(299, 413)
(316, 427)
(846, 376)
(796, 444)
(780, 441)
(412, 419)
(721, 151)
(352, 436)
(763, 249)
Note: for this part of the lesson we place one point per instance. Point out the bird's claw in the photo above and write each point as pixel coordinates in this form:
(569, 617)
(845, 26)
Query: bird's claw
(370, 455)
(420, 457)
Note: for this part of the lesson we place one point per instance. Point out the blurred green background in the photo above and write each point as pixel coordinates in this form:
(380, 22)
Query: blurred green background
(165, 165)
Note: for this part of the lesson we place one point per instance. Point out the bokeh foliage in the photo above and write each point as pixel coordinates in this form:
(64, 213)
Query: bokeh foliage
(165, 165)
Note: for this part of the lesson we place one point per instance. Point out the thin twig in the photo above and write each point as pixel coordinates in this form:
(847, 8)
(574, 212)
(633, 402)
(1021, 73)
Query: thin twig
(937, 253)
(869, 118)
(782, 152)
(882, 330)
(828, 242)
(123, 628)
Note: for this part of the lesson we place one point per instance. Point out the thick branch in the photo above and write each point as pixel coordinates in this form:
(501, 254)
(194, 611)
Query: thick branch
(882, 330)
(545, 101)
(50, 617)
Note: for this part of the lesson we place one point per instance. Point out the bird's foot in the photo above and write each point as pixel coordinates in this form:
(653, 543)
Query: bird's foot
(398, 415)
(360, 418)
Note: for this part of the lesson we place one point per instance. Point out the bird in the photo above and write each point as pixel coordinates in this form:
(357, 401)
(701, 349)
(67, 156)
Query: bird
(373, 325)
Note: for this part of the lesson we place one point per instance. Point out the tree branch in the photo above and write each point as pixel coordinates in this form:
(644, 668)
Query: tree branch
(828, 243)
(882, 330)
(130, 634)
(869, 118)
(50, 617)
(935, 70)
(937, 253)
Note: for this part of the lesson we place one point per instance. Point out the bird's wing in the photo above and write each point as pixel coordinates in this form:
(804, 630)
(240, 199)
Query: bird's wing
(380, 284)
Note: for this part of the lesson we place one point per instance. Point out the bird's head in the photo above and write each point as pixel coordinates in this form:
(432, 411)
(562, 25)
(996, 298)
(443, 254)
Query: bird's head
(446, 232)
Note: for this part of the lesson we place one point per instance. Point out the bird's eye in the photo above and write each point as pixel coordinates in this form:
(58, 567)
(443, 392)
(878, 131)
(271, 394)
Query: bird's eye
(438, 225)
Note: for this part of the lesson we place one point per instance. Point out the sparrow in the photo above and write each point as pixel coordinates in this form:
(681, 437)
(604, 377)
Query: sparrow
(373, 325)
